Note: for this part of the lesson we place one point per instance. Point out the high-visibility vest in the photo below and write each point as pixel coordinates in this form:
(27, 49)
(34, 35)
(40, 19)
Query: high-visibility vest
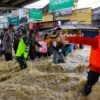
(22, 49)
(95, 55)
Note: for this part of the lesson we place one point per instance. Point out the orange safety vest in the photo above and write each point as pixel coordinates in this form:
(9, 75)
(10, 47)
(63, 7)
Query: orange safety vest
(95, 55)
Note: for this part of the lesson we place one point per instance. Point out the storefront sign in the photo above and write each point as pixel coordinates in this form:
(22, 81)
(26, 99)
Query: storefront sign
(63, 12)
(36, 14)
(23, 20)
(48, 25)
(55, 5)
(14, 20)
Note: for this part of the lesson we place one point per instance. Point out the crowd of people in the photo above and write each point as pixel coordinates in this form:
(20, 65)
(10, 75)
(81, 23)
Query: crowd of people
(29, 44)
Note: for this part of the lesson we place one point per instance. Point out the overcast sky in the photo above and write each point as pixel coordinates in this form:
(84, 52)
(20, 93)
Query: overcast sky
(81, 4)
(88, 3)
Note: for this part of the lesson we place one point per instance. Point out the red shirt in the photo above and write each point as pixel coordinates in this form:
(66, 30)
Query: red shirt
(84, 40)
(87, 41)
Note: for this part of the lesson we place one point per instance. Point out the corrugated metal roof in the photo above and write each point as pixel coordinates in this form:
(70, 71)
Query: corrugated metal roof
(14, 4)
(86, 27)
(68, 27)
(78, 26)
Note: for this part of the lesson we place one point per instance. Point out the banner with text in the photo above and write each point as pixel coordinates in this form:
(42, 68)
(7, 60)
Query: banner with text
(14, 20)
(55, 5)
(63, 12)
(36, 14)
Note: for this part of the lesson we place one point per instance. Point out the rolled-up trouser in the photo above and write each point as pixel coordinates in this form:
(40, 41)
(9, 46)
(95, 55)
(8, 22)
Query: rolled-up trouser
(22, 62)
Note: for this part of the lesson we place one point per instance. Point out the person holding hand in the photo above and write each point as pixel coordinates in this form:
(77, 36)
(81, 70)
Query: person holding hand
(94, 60)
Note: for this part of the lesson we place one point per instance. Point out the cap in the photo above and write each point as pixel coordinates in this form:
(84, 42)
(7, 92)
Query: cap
(19, 31)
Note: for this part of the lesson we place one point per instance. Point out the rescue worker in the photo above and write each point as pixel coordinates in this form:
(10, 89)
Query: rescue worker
(23, 50)
(94, 62)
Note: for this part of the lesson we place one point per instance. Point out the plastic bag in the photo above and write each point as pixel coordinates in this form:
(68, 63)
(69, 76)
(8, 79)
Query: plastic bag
(42, 49)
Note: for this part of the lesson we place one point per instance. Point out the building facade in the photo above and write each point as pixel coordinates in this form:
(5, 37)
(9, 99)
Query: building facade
(96, 17)
(82, 16)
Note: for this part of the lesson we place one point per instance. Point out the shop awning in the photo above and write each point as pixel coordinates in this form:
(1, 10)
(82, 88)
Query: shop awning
(86, 27)
(68, 26)
(78, 26)
(14, 4)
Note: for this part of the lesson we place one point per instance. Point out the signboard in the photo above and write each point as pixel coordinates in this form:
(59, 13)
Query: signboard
(36, 14)
(63, 12)
(33, 26)
(43, 25)
(48, 24)
(23, 20)
(55, 5)
(14, 20)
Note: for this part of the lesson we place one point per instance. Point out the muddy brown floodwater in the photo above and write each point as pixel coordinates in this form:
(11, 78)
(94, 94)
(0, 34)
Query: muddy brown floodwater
(43, 80)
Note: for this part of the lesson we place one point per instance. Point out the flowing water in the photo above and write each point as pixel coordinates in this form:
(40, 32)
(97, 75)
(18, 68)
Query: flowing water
(43, 80)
